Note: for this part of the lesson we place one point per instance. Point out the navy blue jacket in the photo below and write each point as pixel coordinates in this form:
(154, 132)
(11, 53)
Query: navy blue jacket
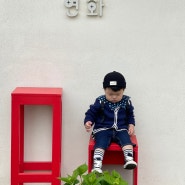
(105, 115)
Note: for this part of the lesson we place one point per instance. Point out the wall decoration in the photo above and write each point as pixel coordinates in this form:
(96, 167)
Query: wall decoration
(72, 6)
(94, 7)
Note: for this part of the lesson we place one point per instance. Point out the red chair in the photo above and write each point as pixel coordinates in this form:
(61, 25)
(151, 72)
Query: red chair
(114, 155)
(31, 171)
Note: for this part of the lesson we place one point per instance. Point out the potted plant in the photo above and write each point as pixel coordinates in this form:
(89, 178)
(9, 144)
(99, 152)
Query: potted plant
(81, 177)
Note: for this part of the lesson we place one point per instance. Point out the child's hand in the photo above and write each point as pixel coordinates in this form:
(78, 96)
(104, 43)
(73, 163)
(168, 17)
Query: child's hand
(131, 129)
(88, 126)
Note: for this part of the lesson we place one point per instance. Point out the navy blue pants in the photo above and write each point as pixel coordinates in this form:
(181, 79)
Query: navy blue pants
(104, 138)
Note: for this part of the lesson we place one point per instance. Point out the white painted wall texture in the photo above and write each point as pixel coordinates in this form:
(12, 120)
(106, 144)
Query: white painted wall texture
(145, 40)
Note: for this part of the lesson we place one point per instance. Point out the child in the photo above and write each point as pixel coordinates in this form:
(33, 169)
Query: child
(113, 119)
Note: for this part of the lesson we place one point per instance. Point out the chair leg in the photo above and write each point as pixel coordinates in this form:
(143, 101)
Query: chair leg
(135, 172)
(135, 176)
(90, 160)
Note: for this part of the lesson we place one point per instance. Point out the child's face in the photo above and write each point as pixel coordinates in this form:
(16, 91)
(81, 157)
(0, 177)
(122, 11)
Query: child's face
(113, 96)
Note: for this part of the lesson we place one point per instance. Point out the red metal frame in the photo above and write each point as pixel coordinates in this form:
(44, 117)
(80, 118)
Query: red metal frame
(114, 155)
(30, 171)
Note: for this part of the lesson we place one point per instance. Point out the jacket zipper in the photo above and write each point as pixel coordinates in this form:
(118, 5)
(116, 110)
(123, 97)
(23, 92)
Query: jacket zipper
(116, 118)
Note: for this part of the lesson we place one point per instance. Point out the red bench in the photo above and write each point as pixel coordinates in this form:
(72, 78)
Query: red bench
(114, 155)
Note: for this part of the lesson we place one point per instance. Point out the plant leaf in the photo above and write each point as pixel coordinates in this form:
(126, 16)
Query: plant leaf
(81, 169)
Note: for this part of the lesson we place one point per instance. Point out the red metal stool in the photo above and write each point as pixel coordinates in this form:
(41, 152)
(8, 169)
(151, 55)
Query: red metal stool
(30, 171)
(114, 155)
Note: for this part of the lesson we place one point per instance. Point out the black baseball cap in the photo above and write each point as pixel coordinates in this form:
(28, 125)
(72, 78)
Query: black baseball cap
(114, 79)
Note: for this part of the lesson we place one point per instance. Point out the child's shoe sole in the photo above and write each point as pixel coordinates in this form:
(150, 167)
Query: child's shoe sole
(130, 165)
(97, 170)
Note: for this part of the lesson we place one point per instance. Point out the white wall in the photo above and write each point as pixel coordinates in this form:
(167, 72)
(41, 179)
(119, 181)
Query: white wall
(145, 40)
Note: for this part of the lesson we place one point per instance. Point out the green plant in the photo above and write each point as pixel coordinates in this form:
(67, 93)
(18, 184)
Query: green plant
(81, 177)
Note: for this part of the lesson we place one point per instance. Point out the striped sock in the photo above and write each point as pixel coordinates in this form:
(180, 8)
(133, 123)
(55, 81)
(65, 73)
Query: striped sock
(98, 157)
(128, 153)
(98, 154)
